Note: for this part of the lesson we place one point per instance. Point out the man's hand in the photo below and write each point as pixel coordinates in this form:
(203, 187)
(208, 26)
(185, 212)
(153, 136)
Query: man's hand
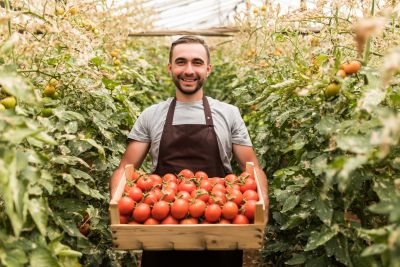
(134, 154)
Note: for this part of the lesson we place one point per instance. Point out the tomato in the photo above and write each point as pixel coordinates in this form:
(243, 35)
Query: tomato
(135, 193)
(216, 180)
(187, 186)
(234, 186)
(213, 213)
(231, 178)
(200, 194)
(179, 208)
(250, 195)
(126, 205)
(246, 175)
(249, 209)
(144, 183)
(218, 187)
(151, 221)
(123, 219)
(249, 184)
(217, 197)
(206, 184)
(157, 181)
(168, 195)
(127, 188)
(135, 176)
(224, 221)
(197, 208)
(201, 176)
(157, 193)
(169, 220)
(236, 196)
(230, 210)
(150, 198)
(183, 195)
(205, 222)
(189, 221)
(141, 212)
(171, 185)
(160, 210)
(133, 222)
(240, 219)
(186, 174)
(169, 177)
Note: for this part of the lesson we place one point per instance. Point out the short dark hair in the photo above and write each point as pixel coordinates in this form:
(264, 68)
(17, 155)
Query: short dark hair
(189, 39)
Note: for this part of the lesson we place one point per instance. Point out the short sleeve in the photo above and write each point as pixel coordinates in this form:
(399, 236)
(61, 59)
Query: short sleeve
(240, 135)
(140, 130)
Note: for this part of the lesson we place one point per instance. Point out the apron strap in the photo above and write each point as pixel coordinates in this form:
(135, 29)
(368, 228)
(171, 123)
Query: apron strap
(207, 112)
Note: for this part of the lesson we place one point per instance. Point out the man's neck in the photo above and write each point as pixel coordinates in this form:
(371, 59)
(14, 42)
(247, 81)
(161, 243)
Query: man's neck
(189, 98)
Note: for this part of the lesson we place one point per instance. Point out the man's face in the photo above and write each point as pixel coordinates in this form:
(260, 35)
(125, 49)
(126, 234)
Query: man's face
(189, 67)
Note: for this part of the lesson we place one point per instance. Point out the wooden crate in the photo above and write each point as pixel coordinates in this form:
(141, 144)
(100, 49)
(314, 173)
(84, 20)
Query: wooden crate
(187, 237)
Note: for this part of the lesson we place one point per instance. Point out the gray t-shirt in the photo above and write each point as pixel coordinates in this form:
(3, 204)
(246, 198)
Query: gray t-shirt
(228, 124)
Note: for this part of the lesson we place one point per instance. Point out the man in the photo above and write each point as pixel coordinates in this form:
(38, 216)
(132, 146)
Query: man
(190, 131)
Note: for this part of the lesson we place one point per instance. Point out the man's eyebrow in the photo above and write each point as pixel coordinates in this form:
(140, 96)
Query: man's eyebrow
(197, 59)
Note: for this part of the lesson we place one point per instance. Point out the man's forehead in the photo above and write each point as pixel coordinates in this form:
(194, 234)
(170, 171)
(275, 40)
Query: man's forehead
(189, 51)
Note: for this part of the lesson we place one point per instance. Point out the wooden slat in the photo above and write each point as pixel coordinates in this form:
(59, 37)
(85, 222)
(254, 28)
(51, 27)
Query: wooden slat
(260, 206)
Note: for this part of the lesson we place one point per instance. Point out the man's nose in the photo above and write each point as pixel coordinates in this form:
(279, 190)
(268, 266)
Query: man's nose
(189, 69)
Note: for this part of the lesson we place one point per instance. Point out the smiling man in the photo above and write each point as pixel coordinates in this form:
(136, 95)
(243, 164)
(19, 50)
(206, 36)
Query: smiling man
(190, 131)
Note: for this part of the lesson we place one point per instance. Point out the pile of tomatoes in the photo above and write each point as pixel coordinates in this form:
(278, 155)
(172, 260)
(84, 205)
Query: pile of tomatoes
(188, 198)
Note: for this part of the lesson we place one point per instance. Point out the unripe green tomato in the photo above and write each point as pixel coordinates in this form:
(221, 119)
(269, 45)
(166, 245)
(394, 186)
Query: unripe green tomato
(9, 102)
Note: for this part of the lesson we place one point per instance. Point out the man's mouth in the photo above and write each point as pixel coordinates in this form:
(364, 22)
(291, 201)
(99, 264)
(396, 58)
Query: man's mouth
(188, 80)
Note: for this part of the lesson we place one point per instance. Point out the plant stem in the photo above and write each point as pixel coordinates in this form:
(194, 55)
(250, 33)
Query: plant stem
(367, 52)
(7, 4)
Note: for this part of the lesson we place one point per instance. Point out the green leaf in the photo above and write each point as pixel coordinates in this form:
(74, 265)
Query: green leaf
(83, 187)
(97, 61)
(80, 174)
(295, 219)
(100, 149)
(66, 115)
(354, 143)
(317, 239)
(290, 203)
(14, 257)
(297, 259)
(69, 160)
(324, 211)
(15, 85)
(338, 247)
(327, 125)
(375, 249)
(43, 258)
(39, 211)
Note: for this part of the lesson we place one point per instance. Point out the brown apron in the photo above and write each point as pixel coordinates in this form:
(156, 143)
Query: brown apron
(194, 147)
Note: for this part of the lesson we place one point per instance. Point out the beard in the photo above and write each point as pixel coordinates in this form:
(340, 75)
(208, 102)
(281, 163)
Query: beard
(199, 84)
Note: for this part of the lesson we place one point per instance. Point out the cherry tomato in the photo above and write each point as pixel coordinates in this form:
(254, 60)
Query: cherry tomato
(169, 220)
(197, 208)
(218, 187)
(240, 219)
(230, 210)
(133, 222)
(135, 176)
(217, 197)
(123, 219)
(187, 186)
(249, 184)
(126, 205)
(216, 180)
(224, 221)
(189, 221)
(157, 193)
(206, 184)
(201, 176)
(213, 213)
(141, 212)
(246, 175)
(160, 210)
(236, 196)
(171, 185)
(250, 195)
(186, 174)
(231, 178)
(144, 183)
(135, 193)
(249, 209)
(150, 198)
(168, 195)
(169, 177)
(179, 208)
(157, 180)
(151, 221)
(183, 195)
(200, 194)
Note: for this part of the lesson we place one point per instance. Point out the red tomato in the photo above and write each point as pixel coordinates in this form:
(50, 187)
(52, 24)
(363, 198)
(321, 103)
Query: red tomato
(157, 181)
(189, 221)
(240, 219)
(187, 186)
(230, 210)
(231, 178)
(224, 221)
(216, 180)
(200, 194)
(179, 208)
(157, 193)
(246, 175)
(169, 220)
(133, 222)
(169, 177)
(123, 219)
(250, 195)
(135, 176)
(141, 212)
(186, 174)
(217, 197)
(197, 208)
(126, 205)
(150, 198)
(160, 210)
(144, 183)
(249, 209)
(201, 176)
(127, 187)
(218, 187)
(135, 193)
(236, 196)
(151, 221)
(168, 195)
(183, 195)
(206, 184)
(205, 222)
(249, 184)
(171, 185)
(212, 213)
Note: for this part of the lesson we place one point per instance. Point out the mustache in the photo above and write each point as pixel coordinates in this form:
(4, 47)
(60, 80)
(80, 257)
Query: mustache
(180, 76)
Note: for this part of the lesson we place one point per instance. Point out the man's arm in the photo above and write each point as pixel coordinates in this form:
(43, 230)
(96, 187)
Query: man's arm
(245, 154)
(134, 154)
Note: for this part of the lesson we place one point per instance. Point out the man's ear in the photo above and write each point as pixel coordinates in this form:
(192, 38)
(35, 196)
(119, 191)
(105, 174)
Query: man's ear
(209, 69)
(169, 68)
